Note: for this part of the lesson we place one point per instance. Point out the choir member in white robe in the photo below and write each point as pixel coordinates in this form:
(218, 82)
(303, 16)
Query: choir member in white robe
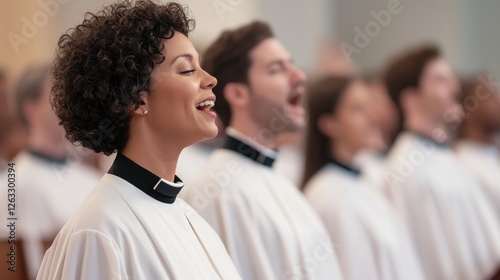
(477, 148)
(132, 226)
(267, 226)
(451, 223)
(50, 182)
(48, 192)
(369, 238)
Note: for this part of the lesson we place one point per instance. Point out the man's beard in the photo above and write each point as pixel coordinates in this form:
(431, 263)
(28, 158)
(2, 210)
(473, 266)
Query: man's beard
(274, 117)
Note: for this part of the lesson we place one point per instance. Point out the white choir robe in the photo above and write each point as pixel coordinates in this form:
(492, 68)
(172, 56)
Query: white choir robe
(290, 164)
(269, 229)
(47, 195)
(372, 165)
(369, 238)
(119, 232)
(452, 224)
(192, 160)
(483, 161)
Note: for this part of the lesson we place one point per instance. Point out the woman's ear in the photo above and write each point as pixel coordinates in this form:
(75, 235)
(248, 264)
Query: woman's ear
(236, 94)
(327, 125)
(140, 109)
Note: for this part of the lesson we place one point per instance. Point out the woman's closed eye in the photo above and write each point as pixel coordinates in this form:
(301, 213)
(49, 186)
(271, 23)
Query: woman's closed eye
(187, 72)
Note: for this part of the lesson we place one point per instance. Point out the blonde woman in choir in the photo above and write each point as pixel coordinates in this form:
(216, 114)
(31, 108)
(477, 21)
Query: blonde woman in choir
(128, 80)
(369, 239)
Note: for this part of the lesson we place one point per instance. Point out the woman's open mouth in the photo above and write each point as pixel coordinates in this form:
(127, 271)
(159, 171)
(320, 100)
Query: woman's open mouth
(206, 107)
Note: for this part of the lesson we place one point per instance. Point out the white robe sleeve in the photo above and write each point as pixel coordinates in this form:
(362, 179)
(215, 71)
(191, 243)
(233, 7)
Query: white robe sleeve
(87, 254)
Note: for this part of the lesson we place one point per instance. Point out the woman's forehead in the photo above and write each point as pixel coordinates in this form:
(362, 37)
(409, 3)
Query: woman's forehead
(179, 45)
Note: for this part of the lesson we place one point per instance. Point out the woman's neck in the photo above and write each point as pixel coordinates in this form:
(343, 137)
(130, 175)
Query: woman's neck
(342, 153)
(152, 154)
(427, 128)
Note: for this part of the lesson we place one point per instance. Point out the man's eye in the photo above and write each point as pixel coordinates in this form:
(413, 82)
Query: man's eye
(275, 70)
(187, 72)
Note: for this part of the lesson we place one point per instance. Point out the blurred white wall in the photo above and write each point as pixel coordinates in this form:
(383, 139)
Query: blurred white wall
(409, 23)
(301, 25)
(213, 16)
(483, 42)
(466, 29)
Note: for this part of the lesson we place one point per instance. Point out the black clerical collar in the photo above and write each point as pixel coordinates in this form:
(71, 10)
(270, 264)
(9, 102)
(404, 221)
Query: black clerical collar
(350, 169)
(154, 186)
(248, 151)
(46, 157)
(423, 137)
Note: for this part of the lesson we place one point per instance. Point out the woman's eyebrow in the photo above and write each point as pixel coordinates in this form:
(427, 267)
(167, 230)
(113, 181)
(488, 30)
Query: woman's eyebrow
(186, 55)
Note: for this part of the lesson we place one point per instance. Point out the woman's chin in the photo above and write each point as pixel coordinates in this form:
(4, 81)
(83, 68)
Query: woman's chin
(209, 132)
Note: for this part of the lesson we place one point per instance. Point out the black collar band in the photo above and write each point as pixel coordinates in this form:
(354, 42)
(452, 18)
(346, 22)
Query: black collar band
(345, 167)
(250, 152)
(144, 180)
(46, 157)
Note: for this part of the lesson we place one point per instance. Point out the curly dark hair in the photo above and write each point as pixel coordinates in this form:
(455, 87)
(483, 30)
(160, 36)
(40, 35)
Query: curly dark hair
(103, 65)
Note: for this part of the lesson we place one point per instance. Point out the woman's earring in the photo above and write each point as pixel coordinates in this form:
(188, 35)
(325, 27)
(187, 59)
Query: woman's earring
(145, 112)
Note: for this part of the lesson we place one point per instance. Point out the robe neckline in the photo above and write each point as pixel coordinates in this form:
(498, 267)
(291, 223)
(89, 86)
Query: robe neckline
(143, 179)
(236, 145)
(350, 169)
(45, 157)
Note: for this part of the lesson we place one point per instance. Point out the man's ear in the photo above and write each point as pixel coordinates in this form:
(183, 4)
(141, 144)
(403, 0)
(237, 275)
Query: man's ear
(142, 108)
(327, 125)
(237, 94)
(409, 99)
